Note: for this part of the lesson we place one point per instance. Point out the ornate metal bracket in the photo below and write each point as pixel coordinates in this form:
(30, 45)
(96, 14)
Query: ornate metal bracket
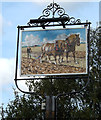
(53, 14)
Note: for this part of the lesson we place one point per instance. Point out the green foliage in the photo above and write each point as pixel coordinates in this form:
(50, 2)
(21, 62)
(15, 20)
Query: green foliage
(23, 107)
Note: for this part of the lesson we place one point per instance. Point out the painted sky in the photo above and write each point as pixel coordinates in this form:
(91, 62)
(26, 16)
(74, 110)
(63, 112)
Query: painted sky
(39, 37)
(17, 13)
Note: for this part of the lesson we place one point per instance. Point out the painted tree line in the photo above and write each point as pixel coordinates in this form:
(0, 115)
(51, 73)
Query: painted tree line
(84, 105)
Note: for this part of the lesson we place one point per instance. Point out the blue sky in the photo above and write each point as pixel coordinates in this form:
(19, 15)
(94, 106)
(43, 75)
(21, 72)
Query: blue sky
(19, 13)
(51, 35)
(13, 14)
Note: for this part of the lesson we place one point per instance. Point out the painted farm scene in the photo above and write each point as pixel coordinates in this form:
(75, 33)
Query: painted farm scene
(54, 52)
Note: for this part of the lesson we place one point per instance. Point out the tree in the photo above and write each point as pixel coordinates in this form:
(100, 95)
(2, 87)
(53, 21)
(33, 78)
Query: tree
(24, 106)
(2, 111)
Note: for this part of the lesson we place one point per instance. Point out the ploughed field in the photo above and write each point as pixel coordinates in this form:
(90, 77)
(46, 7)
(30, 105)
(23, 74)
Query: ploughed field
(32, 66)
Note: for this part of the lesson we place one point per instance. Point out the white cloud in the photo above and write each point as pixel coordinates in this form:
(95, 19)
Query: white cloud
(58, 37)
(45, 40)
(31, 40)
(61, 37)
(9, 23)
(7, 73)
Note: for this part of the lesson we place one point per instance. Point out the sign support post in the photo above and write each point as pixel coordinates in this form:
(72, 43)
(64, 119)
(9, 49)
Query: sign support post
(50, 107)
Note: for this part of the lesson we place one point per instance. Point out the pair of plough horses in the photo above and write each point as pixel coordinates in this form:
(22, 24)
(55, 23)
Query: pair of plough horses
(59, 48)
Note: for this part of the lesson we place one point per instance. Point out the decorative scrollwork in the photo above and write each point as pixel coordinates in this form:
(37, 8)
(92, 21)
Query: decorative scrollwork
(78, 21)
(46, 12)
(72, 20)
(60, 11)
(50, 6)
(55, 11)
(52, 10)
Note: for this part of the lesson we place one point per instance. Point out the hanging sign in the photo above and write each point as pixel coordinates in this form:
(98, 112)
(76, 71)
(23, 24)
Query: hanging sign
(54, 52)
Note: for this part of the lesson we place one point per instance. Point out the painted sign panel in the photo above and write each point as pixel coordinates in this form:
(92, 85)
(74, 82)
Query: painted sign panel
(54, 52)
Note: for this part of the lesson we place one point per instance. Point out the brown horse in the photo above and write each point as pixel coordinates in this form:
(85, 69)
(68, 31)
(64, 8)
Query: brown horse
(47, 50)
(70, 44)
(53, 49)
(60, 50)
